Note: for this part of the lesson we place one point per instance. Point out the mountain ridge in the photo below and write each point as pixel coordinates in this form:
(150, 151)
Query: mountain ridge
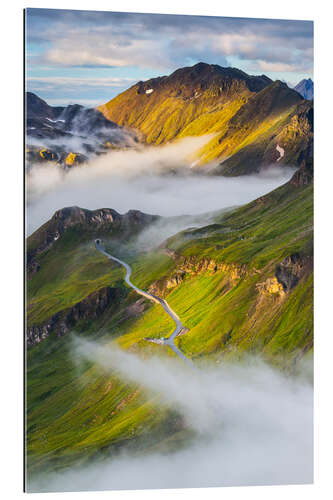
(53, 131)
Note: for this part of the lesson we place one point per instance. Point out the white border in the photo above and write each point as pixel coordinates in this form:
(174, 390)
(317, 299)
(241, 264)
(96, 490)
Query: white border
(11, 229)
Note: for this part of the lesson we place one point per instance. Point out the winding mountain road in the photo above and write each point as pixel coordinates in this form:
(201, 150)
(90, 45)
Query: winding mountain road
(170, 341)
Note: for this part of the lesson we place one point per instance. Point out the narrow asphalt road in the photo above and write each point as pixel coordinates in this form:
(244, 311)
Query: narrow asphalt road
(170, 341)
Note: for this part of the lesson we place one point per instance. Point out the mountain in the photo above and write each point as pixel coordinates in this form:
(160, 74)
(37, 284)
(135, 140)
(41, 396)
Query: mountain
(83, 224)
(241, 111)
(37, 108)
(52, 132)
(162, 108)
(305, 88)
(44, 121)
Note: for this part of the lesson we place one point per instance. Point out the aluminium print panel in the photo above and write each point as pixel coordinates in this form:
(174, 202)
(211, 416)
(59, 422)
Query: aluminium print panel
(169, 251)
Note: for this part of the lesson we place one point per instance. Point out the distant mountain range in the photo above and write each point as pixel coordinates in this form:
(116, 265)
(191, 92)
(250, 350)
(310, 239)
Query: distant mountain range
(305, 88)
(251, 117)
(44, 121)
(253, 121)
(67, 135)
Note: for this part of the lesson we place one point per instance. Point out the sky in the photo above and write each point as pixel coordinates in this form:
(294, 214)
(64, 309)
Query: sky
(88, 57)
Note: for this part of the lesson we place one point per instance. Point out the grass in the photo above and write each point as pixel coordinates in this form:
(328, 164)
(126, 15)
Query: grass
(75, 411)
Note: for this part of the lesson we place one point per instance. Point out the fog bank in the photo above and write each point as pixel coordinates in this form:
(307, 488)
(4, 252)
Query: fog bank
(156, 180)
(253, 426)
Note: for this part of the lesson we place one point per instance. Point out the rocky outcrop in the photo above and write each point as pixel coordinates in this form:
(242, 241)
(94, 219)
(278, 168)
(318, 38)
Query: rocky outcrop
(56, 156)
(303, 176)
(305, 88)
(62, 322)
(190, 266)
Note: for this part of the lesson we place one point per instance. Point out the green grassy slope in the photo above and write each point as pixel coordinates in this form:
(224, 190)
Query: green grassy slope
(244, 286)
(245, 115)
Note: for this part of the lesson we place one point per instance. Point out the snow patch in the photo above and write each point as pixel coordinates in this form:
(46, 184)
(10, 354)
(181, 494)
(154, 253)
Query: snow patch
(281, 151)
(149, 91)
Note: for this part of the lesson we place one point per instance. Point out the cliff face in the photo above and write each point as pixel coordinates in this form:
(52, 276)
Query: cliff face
(91, 307)
(292, 269)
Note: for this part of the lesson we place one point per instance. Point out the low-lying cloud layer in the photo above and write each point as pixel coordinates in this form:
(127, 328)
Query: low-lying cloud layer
(253, 426)
(156, 180)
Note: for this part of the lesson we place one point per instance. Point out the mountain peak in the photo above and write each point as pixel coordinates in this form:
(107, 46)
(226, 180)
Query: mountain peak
(306, 88)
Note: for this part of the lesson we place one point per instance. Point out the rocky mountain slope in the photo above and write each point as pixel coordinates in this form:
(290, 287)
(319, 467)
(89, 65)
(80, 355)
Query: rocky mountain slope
(305, 88)
(53, 132)
(241, 111)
